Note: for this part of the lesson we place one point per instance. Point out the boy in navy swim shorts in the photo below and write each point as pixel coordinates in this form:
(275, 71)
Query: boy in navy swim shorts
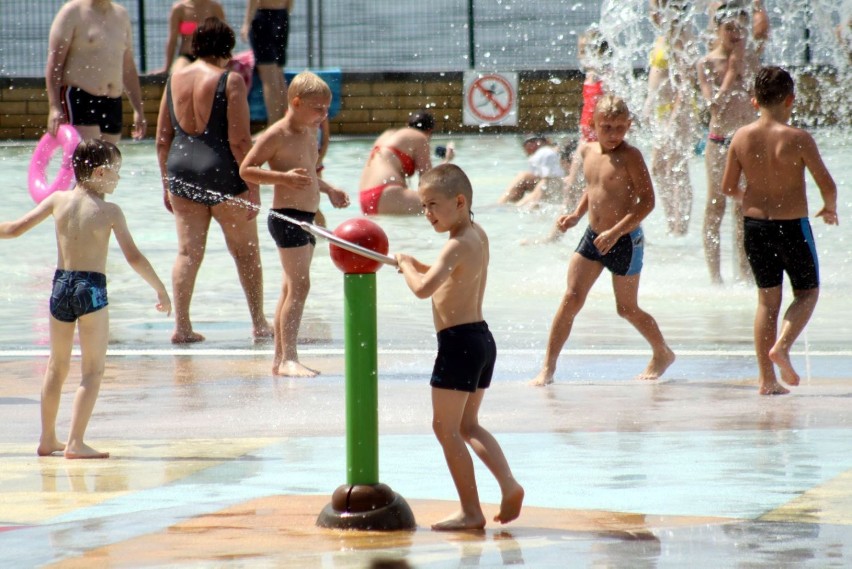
(466, 349)
(84, 224)
(618, 196)
(773, 156)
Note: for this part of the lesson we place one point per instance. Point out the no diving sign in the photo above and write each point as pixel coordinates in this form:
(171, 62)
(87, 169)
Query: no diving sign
(490, 98)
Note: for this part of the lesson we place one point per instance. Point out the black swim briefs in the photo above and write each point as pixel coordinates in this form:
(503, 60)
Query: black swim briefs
(268, 36)
(289, 235)
(84, 109)
(775, 246)
(466, 356)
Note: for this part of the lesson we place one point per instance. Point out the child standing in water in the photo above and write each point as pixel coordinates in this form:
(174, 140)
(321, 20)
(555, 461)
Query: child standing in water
(84, 223)
(466, 350)
(724, 76)
(290, 148)
(618, 196)
(773, 157)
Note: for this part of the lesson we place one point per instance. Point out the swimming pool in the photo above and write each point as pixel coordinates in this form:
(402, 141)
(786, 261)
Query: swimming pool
(525, 282)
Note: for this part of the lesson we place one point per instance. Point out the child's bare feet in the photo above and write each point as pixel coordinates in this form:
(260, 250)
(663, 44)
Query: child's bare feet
(84, 451)
(772, 388)
(292, 368)
(47, 448)
(658, 365)
(781, 358)
(543, 378)
(510, 505)
(460, 522)
(187, 338)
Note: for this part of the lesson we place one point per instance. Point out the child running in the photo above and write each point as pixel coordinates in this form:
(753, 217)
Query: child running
(289, 146)
(466, 349)
(773, 157)
(618, 196)
(84, 223)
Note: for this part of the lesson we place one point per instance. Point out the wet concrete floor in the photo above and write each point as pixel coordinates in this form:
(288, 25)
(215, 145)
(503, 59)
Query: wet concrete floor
(215, 463)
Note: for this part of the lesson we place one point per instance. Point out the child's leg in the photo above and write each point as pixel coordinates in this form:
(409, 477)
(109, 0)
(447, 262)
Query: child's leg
(522, 183)
(626, 290)
(192, 221)
(241, 238)
(488, 450)
(765, 331)
(795, 320)
(94, 337)
(448, 407)
(714, 210)
(582, 274)
(58, 365)
(296, 262)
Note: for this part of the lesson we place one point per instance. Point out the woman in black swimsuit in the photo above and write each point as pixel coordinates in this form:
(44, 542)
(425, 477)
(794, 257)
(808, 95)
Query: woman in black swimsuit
(202, 136)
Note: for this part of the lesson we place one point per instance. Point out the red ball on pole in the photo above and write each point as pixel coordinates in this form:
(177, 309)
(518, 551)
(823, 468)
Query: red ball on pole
(360, 231)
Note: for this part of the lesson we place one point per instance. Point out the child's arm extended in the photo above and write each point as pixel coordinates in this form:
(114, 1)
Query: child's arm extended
(138, 261)
(424, 280)
(337, 197)
(824, 181)
(39, 213)
(733, 171)
(641, 202)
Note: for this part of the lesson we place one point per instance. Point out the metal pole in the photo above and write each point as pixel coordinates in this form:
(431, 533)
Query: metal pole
(471, 49)
(310, 34)
(362, 391)
(143, 59)
(320, 33)
(809, 16)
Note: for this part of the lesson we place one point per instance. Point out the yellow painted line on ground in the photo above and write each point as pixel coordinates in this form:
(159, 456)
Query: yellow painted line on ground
(829, 503)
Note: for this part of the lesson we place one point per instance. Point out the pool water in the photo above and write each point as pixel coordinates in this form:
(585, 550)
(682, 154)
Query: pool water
(525, 282)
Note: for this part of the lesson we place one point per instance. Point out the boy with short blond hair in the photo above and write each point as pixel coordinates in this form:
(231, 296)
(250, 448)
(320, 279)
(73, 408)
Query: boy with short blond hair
(618, 196)
(84, 224)
(289, 146)
(466, 349)
(773, 157)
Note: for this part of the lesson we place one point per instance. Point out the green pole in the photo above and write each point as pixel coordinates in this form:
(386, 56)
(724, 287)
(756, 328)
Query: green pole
(362, 398)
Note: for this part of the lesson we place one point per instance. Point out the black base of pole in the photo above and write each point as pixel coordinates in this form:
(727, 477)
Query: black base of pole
(367, 507)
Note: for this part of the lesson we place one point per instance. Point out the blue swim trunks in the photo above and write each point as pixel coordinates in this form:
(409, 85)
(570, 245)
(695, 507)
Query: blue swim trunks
(625, 257)
(76, 293)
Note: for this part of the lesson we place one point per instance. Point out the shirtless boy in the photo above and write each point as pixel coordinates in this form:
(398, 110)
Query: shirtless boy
(290, 148)
(89, 64)
(773, 157)
(618, 196)
(84, 223)
(466, 350)
(725, 76)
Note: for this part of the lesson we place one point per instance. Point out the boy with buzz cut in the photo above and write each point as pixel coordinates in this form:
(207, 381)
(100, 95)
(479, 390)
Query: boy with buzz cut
(466, 349)
(618, 196)
(84, 223)
(289, 146)
(773, 157)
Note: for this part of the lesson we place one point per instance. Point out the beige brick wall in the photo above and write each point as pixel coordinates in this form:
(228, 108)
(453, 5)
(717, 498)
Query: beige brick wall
(372, 102)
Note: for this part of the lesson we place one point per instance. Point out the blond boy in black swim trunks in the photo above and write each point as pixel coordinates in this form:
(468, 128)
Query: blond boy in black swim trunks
(84, 223)
(618, 196)
(466, 350)
(773, 157)
(290, 148)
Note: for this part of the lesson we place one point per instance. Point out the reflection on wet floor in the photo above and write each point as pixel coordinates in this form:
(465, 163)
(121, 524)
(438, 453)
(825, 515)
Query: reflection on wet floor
(215, 463)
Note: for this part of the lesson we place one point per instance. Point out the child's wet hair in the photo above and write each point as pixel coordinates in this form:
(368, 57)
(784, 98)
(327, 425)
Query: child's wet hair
(449, 180)
(611, 106)
(729, 11)
(772, 85)
(307, 85)
(568, 148)
(91, 154)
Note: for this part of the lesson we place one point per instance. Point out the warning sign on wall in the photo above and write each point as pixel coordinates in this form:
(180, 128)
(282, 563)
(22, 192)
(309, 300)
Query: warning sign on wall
(490, 98)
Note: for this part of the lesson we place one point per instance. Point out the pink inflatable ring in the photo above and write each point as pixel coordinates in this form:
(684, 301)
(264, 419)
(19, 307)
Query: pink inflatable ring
(67, 139)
